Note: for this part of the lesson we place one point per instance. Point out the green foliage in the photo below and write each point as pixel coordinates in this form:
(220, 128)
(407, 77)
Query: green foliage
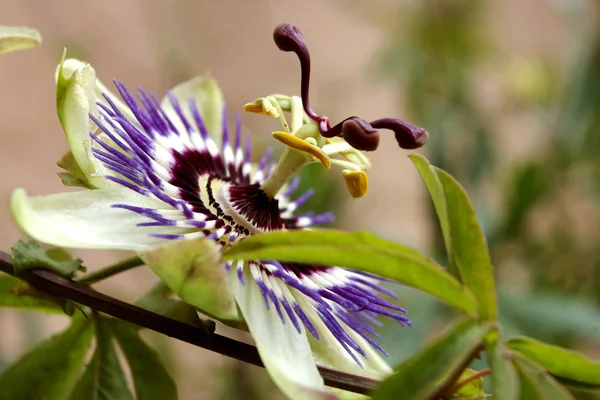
(505, 382)
(51, 369)
(150, 378)
(429, 372)
(562, 363)
(15, 293)
(537, 384)
(28, 255)
(13, 38)
(463, 235)
(361, 251)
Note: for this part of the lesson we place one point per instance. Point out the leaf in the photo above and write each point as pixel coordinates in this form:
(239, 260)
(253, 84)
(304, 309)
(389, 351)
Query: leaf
(103, 378)
(50, 370)
(436, 191)
(560, 362)
(425, 374)
(505, 382)
(13, 38)
(193, 271)
(361, 251)
(28, 255)
(15, 293)
(150, 378)
(160, 300)
(537, 384)
(463, 235)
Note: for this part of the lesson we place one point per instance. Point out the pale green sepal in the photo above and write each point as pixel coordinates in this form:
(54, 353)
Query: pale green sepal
(73, 175)
(285, 353)
(192, 269)
(87, 219)
(13, 38)
(209, 100)
(75, 101)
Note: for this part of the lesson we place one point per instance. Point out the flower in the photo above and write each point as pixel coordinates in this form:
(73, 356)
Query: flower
(158, 172)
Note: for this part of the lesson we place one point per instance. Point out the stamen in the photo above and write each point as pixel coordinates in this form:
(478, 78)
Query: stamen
(357, 183)
(302, 145)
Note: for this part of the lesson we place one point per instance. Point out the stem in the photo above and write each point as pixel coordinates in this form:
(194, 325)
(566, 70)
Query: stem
(109, 271)
(288, 165)
(58, 286)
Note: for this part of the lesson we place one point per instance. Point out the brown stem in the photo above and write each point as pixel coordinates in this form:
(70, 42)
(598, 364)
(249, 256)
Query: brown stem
(460, 384)
(55, 285)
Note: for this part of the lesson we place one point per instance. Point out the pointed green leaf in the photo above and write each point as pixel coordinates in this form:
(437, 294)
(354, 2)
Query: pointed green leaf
(505, 382)
(436, 191)
(472, 390)
(537, 384)
(13, 38)
(463, 235)
(150, 378)
(361, 251)
(560, 362)
(425, 374)
(15, 293)
(103, 378)
(51, 369)
(193, 271)
(27, 255)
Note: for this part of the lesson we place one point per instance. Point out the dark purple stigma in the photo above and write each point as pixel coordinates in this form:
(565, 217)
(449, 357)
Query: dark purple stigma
(360, 134)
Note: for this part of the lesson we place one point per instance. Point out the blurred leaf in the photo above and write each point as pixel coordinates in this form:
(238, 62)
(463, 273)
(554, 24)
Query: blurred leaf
(193, 271)
(103, 378)
(160, 300)
(558, 361)
(12, 295)
(361, 251)
(505, 383)
(28, 255)
(50, 370)
(13, 38)
(536, 384)
(150, 378)
(535, 314)
(528, 185)
(425, 374)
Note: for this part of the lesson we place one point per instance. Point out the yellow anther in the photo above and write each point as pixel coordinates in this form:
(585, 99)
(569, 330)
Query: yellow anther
(357, 182)
(301, 145)
(262, 106)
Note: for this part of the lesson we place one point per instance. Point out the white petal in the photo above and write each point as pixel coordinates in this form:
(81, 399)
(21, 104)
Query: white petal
(209, 99)
(285, 352)
(86, 219)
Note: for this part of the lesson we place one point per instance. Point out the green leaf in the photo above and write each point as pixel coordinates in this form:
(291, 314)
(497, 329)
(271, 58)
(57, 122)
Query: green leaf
(361, 251)
(505, 382)
(537, 384)
(436, 191)
(463, 235)
(150, 378)
(193, 271)
(15, 293)
(51, 369)
(425, 374)
(560, 362)
(28, 255)
(103, 378)
(13, 38)
(160, 300)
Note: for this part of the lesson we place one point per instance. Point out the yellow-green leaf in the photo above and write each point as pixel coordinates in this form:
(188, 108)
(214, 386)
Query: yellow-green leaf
(360, 251)
(13, 38)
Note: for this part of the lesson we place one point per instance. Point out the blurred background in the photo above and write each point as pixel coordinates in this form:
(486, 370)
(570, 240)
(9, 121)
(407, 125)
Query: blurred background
(509, 91)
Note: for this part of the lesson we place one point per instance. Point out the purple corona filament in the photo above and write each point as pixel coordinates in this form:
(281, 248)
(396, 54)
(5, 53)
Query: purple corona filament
(213, 192)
